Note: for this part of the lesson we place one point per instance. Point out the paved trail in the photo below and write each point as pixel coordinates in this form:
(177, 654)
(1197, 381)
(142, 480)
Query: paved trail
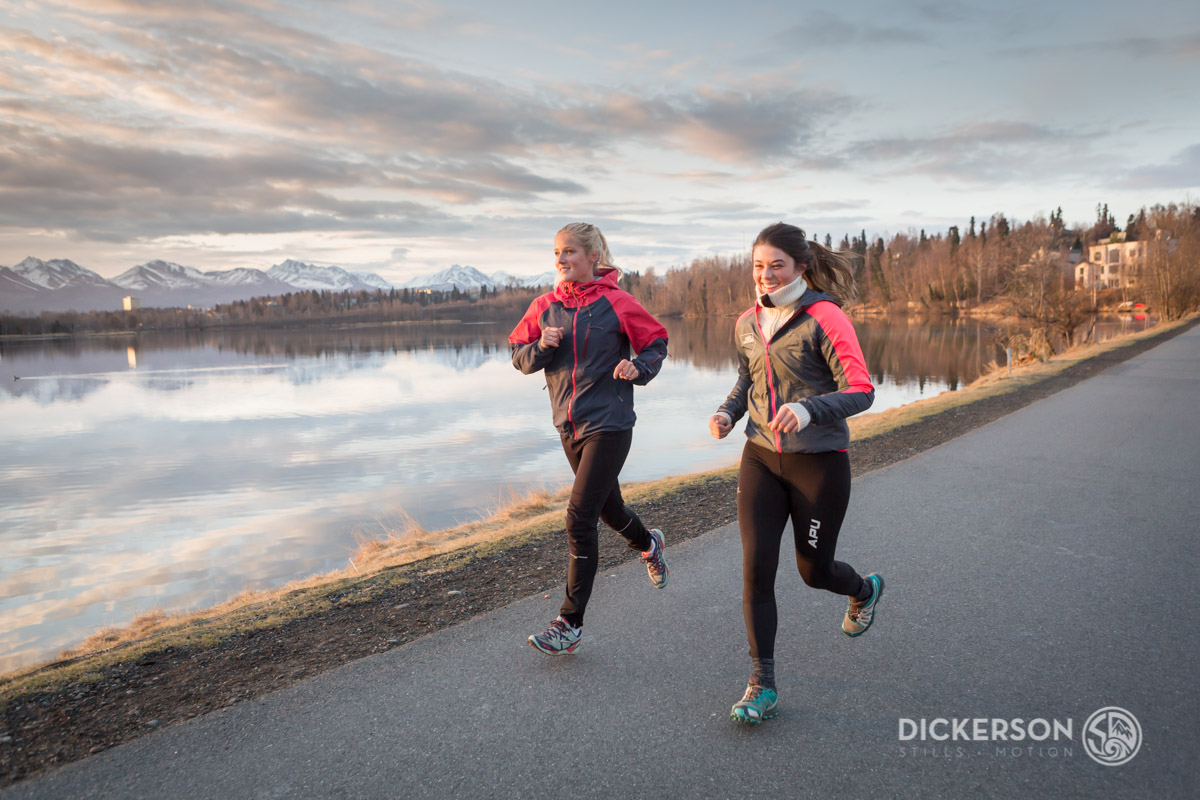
(1044, 566)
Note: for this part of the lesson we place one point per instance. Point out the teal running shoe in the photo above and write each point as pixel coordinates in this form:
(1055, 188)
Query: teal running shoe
(757, 704)
(860, 613)
(655, 559)
(560, 639)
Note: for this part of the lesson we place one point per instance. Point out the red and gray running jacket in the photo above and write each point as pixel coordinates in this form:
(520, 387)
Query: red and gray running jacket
(813, 359)
(600, 323)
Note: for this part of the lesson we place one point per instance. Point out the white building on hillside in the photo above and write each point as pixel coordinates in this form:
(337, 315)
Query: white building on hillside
(131, 303)
(1115, 264)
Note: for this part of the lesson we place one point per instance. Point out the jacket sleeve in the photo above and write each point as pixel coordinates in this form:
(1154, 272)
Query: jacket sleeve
(646, 335)
(528, 355)
(738, 401)
(844, 356)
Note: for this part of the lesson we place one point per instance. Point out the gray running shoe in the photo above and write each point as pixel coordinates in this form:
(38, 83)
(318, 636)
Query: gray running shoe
(860, 614)
(560, 639)
(655, 560)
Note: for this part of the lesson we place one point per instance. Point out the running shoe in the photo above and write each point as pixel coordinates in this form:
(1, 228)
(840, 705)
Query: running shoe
(860, 613)
(655, 559)
(757, 704)
(560, 639)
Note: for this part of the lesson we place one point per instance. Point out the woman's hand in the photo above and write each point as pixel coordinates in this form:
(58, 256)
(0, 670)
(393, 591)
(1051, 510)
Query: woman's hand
(719, 426)
(787, 421)
(551, 338)
(626, 370)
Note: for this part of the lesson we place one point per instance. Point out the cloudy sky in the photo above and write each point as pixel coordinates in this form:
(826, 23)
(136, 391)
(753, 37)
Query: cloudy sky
(401, 137)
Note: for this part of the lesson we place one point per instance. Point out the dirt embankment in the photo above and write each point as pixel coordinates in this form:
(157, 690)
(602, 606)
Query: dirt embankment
(67, 711)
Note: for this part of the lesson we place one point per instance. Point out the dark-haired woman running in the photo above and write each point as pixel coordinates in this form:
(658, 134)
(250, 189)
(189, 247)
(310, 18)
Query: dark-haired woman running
(801, 374)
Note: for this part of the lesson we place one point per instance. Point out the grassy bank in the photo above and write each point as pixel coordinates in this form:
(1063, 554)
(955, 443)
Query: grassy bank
(412, 559)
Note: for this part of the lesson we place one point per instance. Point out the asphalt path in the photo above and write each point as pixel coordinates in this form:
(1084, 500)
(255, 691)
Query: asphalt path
(1042, 567)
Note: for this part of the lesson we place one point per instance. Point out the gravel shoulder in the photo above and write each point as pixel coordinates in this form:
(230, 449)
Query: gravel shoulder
(66, 711)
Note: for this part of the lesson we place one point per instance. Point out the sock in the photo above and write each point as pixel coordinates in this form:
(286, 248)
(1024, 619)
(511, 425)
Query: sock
(653, 547)
(864, 594)
(762, 672)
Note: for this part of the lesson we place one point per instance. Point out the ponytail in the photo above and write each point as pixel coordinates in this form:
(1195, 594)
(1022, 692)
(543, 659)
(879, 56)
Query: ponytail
(825, 270)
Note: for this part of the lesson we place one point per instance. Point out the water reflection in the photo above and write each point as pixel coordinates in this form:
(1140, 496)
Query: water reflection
(173, 470)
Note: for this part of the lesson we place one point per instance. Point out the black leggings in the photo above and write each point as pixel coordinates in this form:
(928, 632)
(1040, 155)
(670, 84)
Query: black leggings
(813, 489)
(596, 461)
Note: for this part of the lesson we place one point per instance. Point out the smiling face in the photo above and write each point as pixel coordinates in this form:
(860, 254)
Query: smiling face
(773, 269)
(571, 260)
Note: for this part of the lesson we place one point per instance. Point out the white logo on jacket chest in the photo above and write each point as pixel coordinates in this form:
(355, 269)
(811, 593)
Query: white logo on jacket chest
(747, 339)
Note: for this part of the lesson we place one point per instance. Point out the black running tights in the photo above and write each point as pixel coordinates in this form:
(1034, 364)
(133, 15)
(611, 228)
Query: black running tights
(813, 490)
(596, 495)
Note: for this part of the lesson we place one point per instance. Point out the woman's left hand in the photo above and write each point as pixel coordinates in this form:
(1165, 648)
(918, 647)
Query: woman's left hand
(626, 370)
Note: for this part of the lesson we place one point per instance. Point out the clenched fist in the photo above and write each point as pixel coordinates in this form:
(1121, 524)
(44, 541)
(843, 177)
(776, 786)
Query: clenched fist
(718, 426)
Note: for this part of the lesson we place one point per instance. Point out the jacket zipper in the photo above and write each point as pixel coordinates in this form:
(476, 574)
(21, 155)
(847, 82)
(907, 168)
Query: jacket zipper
(770, 377)
(574, 369)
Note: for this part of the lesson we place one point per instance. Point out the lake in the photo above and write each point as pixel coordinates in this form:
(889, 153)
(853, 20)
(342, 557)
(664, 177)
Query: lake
(173, 470)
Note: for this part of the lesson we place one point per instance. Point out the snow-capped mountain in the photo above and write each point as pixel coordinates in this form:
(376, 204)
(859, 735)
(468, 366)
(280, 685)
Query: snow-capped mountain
(503, 279)
(160, 275)
(470, 280)
(465, 279)
(373, 280)
(12, 281)
(335, 279)
(60, 285)
(57, 273)
(241, 276)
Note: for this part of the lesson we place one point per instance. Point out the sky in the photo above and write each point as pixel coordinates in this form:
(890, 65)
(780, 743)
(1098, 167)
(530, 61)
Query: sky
(402, 137)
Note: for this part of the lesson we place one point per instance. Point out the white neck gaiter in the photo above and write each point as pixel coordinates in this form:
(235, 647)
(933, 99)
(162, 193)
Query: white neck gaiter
(776, 307)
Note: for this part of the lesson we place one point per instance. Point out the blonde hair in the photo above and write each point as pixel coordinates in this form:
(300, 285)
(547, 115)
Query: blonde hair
(592, 240)
(825, 270)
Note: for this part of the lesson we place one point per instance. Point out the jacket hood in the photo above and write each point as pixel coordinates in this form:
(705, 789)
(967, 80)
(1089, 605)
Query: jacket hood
(606, 279)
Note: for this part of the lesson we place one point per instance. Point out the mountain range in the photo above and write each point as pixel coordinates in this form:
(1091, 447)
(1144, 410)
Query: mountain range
(34, 285)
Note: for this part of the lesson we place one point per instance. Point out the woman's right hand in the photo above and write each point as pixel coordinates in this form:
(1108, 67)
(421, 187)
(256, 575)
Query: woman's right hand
(551, 337)
(719, 426)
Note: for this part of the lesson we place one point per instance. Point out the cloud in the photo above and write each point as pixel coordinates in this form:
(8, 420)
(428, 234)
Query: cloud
(180, 118)
(823, 30)
(1178, 47)
(1180, 172)
(997, 151)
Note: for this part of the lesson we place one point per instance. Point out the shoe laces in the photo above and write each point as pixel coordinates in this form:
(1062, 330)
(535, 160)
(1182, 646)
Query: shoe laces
(861, 612)
(654, 560)
(559, 629)
(753, 693)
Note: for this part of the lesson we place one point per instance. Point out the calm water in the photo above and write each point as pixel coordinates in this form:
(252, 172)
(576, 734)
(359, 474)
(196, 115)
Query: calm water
(172, 471)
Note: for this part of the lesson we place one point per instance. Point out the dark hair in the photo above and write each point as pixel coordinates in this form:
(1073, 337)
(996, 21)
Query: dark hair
(824, 269)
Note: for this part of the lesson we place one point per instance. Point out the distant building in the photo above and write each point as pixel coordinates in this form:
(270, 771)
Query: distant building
(131, 303)
(1118, 264)
(1114, 264)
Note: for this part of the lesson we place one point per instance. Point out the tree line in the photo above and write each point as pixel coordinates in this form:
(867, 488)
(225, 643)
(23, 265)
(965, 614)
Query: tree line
(992, 261)
(1021, 269)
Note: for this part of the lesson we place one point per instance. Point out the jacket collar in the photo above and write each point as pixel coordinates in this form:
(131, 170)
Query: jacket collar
(783, 298)
(586, 291)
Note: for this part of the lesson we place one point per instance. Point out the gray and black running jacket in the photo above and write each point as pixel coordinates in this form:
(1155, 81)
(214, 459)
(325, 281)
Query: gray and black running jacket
(813, 359)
